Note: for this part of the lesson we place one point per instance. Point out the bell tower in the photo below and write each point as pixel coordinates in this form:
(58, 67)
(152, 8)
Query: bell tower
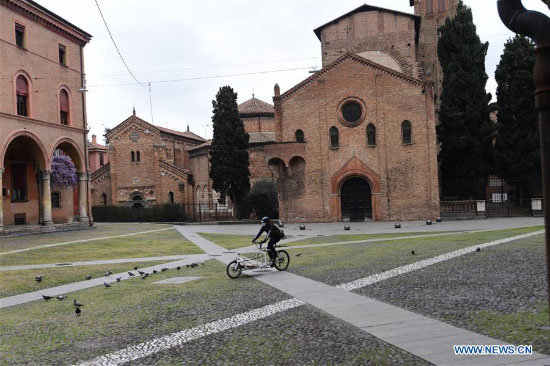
(433, 14)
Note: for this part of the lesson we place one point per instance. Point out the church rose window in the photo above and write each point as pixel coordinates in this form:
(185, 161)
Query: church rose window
(351, 112)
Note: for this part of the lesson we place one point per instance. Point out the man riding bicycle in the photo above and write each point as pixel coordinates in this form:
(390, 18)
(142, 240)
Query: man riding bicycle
(274, 234)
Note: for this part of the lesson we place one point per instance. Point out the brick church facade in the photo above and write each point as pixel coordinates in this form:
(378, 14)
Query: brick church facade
(355, 141)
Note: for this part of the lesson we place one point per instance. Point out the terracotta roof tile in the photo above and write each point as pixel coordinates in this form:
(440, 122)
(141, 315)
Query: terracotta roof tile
(254, 105)
(257, 137)
(187, 134)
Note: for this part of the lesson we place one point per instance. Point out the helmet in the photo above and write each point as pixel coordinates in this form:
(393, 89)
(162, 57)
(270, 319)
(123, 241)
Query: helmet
(265, 220)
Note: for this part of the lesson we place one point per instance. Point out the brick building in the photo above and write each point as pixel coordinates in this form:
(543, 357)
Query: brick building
(97, 155)
(42, 113)
(356, 140)
(147, 165)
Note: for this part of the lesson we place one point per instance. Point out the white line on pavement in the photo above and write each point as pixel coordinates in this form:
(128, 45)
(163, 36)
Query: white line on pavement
(82, 241)
(175, 339)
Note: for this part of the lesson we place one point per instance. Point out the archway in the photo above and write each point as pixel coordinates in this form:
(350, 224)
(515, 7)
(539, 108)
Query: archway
(356, 200)
(23, 160)
(137, 201)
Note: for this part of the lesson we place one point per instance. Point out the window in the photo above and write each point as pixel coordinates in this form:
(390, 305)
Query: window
(171, 197)
(351, 112)
(19, 183)
(138, 159)
(333, 137)
(104, 199)
(101, 161)
(133, 156)
(429, 6)
(299, 136)
(56, 200)
(406, 132)
(441, 5)
(62, 55)
(371, 135)
(19, 35)
(22, 90)
(134, 136)
(64, 107)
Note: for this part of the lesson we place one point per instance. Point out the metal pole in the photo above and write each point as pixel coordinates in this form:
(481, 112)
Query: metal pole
(536, 26)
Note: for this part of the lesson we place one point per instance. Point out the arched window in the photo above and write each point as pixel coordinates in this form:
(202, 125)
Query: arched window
(133, 156)
(104, 199)
(371, 135)
(333, 137)
(171, 197)
(63, 107)
(22, 91)
(138, 158)
(299, 136)
(406, 132)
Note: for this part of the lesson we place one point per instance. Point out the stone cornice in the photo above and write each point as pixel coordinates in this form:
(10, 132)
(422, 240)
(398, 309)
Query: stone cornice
(48, 19)
(43, 123)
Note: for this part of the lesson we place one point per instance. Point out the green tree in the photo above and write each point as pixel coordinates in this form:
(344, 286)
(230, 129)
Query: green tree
(229, 159)
(465, 131)
(263, 198)
(517, 142)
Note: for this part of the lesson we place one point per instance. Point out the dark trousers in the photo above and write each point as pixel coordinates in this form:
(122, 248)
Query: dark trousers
(271, 248)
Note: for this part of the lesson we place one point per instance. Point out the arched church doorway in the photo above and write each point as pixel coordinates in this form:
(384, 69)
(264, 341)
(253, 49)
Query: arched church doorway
(356, 200)
(138, 201)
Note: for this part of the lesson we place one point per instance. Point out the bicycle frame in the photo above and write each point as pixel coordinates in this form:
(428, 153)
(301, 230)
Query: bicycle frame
(259, 261)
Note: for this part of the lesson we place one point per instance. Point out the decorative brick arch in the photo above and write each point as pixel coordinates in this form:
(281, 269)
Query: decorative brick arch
(45, 158)
(365, 46)
(355, 168)
(74, 152)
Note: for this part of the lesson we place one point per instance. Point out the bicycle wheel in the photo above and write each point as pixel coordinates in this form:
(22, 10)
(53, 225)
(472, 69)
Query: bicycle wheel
(282, 261)
(234, 269)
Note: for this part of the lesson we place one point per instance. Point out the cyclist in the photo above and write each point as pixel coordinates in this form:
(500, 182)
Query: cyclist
(274, 234)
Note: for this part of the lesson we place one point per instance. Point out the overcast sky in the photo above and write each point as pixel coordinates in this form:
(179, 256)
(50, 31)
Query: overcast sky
(206, 44)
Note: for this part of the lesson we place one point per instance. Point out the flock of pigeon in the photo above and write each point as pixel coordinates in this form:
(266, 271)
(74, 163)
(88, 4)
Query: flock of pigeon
(142, 274)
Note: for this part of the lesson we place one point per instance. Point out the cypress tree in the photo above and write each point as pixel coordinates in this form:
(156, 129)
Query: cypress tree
(465, 131)
(229, 159)
(517, 142)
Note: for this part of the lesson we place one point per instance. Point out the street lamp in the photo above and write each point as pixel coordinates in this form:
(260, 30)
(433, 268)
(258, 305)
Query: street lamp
(536, 26)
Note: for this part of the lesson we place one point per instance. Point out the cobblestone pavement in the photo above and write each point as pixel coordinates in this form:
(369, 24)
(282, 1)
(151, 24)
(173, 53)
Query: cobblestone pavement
(506, 279)
(301, 336)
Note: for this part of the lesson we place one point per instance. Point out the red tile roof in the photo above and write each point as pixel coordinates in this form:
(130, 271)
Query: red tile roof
(254, 106)
(187, 133)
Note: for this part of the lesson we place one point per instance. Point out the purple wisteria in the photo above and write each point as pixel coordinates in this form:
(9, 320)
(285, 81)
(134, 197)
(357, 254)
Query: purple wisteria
(63, 172)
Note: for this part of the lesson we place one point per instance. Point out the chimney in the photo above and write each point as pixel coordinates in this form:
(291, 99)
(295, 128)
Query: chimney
(277, 90)
(94, 139)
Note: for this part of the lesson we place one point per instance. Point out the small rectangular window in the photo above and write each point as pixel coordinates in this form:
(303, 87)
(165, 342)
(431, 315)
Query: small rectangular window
(22, 105)
(19, 35)
(441, 5)
(101, 162)
(56, 198)
(429, 6)
(62, 55)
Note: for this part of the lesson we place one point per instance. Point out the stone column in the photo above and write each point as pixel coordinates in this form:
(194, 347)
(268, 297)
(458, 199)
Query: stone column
(1, 202)
(46, 198)
(82, 194)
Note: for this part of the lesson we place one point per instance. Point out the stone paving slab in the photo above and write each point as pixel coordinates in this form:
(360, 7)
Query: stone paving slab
(176, 280)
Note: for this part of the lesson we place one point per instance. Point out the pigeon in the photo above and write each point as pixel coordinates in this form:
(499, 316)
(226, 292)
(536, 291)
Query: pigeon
(478, 250)
(61, 297)
(46, 297)
(131, 274)
(187, 265)
(107, 285)
(202, 263)
(108, 273)
(143, 277)
(78, 311)
(178, 268)
(118, 279)
(194, 264)
(77, 304)
(155, 271)
(299, 254)
(413, 252)
(38, 279)
(141, 273)
(88, 277)
(135, 268)
(164, 269)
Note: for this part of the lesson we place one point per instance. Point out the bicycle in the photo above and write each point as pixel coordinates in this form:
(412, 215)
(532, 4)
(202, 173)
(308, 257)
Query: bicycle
(257, 263)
